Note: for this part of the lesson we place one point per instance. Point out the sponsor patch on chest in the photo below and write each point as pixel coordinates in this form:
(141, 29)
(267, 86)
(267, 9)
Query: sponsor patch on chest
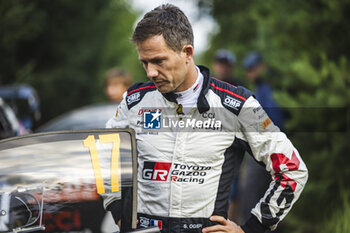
(159, 171)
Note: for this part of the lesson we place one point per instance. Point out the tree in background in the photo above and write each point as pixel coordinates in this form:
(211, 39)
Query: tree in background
(306, 43)
(62, 48)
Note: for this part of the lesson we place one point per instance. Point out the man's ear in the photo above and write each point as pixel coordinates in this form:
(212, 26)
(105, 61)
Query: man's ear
(188, 50)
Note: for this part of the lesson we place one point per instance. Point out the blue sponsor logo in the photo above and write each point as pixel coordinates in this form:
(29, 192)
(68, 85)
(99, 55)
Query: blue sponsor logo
(152, 120)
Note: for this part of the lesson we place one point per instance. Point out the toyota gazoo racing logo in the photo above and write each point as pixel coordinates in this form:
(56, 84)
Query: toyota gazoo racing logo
(159, 171)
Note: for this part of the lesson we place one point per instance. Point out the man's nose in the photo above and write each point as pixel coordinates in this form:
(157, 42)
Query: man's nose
(151, 70)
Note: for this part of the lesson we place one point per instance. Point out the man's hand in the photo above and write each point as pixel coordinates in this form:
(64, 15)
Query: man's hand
(227, 226)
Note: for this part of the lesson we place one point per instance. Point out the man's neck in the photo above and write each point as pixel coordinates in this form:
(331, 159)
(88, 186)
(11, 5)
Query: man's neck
(189, 97)
(190, 79)
(194, 88)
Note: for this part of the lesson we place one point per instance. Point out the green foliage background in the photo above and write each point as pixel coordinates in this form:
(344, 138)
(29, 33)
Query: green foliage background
(62, 48)
(306, 45)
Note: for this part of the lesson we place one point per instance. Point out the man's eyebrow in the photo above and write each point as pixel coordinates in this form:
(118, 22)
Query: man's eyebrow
(153, 59)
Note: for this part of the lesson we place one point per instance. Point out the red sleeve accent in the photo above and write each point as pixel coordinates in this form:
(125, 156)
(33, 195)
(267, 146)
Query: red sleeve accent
(292, 164)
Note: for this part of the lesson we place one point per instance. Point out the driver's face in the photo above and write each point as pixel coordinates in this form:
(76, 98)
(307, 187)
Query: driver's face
(166, 68)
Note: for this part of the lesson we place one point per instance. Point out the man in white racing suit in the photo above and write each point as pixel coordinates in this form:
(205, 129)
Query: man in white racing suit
(191, 129)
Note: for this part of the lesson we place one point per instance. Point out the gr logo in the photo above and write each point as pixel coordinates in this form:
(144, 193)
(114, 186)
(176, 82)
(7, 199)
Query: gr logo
(156, 171)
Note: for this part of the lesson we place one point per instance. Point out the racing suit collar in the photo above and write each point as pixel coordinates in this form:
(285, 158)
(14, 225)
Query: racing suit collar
(202, 103)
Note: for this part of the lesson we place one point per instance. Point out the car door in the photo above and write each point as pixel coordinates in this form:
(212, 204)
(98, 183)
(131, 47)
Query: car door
(55, 181)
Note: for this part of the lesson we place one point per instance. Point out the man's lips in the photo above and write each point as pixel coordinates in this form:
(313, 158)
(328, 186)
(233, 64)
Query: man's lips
(158, 82)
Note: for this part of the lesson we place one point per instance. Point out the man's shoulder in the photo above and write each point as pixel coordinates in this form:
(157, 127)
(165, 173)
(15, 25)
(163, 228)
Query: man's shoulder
(141, 86)
(232, 97)
(137, 91)
(233, 81)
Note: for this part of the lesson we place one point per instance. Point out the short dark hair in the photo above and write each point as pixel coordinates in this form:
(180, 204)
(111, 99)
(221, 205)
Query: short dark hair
(169, 21)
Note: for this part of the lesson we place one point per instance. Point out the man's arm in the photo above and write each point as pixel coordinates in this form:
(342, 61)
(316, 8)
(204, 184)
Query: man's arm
(272, 148)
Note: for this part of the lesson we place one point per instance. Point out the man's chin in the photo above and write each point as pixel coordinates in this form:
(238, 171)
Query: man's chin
(164, 90)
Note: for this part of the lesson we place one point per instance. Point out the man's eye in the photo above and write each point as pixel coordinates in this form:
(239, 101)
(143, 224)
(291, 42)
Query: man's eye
(158, 62)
